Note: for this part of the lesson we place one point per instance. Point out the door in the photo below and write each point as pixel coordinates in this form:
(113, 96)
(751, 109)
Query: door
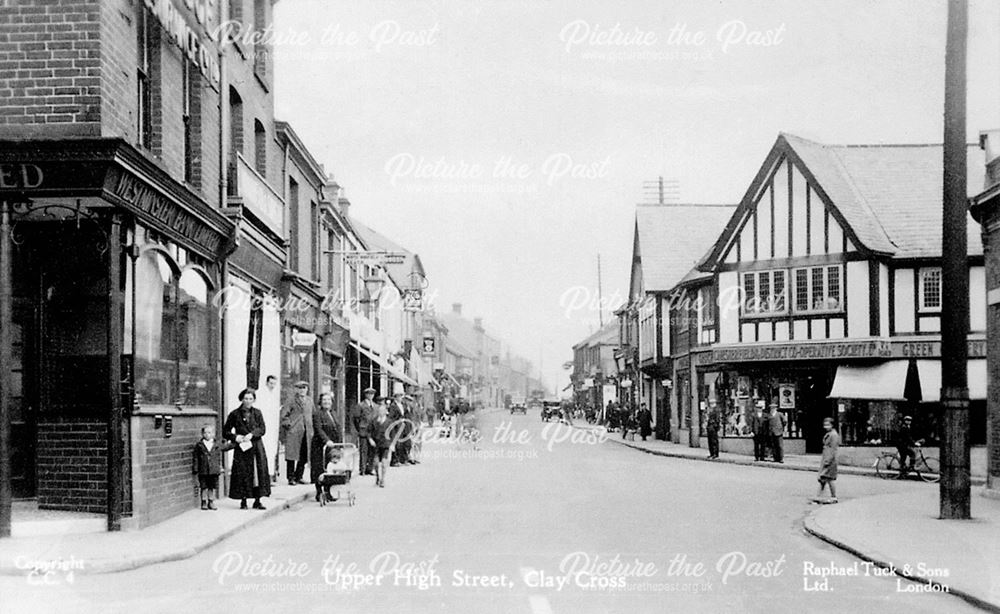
(23, 370)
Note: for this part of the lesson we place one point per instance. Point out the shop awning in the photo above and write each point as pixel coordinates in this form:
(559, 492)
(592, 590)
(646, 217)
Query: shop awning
(930, 380)
(883, 382)
(371, 355)
(398, 373)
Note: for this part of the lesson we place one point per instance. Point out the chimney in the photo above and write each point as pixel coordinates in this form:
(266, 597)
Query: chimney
(989, 141)
(345, 205)
(478, 322)
(456, 308)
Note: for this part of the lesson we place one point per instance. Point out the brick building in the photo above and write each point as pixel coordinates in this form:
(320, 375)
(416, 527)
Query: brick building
(134, 142)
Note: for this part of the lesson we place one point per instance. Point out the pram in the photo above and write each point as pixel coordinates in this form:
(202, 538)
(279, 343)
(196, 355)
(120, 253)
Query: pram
(341, 460)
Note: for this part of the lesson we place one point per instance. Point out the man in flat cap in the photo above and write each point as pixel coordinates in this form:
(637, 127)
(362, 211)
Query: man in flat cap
(362, 416)
(296, 432)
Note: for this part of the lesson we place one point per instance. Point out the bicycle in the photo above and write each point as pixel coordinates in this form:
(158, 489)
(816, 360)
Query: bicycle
(928, 469)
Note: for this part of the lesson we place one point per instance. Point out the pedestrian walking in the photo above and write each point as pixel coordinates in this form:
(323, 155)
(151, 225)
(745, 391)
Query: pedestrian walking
(380, 439)
(712, 424)
(245, 428)
(296, 431)
(645, 420)
(777, 424)
(828, 462)
(362, 416)
(326, 433)
(760, 429)
(208, 465)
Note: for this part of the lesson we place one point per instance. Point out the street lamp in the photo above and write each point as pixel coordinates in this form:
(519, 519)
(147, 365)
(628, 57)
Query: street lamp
(373, 287)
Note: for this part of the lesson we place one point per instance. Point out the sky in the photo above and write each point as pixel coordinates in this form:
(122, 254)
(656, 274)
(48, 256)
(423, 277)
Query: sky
(508, 142)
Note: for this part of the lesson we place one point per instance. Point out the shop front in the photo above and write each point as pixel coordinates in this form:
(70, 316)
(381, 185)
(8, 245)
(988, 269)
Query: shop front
(109, 334)
(867, 386)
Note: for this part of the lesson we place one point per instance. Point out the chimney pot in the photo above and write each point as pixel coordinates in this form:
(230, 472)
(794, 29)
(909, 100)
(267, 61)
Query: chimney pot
(456, 308)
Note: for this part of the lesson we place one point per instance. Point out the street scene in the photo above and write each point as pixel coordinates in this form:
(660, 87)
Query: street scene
(320, 305)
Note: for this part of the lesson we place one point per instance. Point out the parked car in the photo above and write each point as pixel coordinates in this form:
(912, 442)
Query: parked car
(518, 408)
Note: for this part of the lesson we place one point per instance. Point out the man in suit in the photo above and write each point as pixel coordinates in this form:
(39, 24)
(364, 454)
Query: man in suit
(296, 433)
(362, 416)
(777, 422)
(760, 429)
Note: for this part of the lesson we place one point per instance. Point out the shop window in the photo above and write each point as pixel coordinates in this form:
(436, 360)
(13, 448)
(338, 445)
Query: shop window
(930, 289)
(764, 293)
(193, 339)
(172, 333)
(818, 289)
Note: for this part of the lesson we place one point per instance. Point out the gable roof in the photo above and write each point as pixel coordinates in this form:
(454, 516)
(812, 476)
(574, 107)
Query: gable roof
(887, 197)
(671, 237)
(461, 333)
(606, 335)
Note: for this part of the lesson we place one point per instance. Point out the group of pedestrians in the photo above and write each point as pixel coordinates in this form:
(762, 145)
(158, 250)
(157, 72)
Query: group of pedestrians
(630, 420)
(384, 430)
(387, 432)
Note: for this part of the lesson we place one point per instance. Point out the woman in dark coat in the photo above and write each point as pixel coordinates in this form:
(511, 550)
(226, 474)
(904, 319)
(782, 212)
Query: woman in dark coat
(326, 432)
(250, 476)
(645, 419)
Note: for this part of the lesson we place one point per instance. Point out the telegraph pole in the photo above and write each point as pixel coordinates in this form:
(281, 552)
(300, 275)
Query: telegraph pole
(955, 464)
(600, 298)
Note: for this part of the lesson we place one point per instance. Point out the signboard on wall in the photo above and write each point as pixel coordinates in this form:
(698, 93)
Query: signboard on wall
(786, 396)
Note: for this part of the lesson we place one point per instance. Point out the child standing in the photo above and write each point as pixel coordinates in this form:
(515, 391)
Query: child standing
(208, 466)
(828, 463)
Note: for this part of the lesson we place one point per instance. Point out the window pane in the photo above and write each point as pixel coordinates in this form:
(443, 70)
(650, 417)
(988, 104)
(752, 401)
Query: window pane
(763, 292)
(818, 293)
(154, 319)
(779, 291)
(193, 339)
(833, 287)
(801, 290)
(931, 293)
(749, 293)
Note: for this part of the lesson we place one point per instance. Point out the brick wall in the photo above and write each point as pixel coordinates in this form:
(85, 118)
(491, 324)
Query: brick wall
(72, 466)
(50, 59)
(991, 248)
(161, 468)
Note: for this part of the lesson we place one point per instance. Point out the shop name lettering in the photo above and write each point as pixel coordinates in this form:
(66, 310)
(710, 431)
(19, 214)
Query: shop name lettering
(190, 42)
(868, 349)
(162, 210)
(20, 176)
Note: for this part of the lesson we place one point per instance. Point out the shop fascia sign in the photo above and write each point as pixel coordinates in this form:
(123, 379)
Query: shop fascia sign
(303, 339)
(175, 17)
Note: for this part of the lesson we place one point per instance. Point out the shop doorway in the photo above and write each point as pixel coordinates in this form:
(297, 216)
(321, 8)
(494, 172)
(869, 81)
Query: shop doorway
(58, 373)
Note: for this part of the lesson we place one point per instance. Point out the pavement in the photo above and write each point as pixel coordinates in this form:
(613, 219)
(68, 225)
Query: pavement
(178, 538)
(900, 532)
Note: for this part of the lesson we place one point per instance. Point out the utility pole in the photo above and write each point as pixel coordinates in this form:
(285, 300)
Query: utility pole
(955, 479)
(600, 298)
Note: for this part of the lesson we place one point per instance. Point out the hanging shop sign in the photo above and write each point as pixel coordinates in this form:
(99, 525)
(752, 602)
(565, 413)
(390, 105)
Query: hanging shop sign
(374, 258)
(428, 346)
